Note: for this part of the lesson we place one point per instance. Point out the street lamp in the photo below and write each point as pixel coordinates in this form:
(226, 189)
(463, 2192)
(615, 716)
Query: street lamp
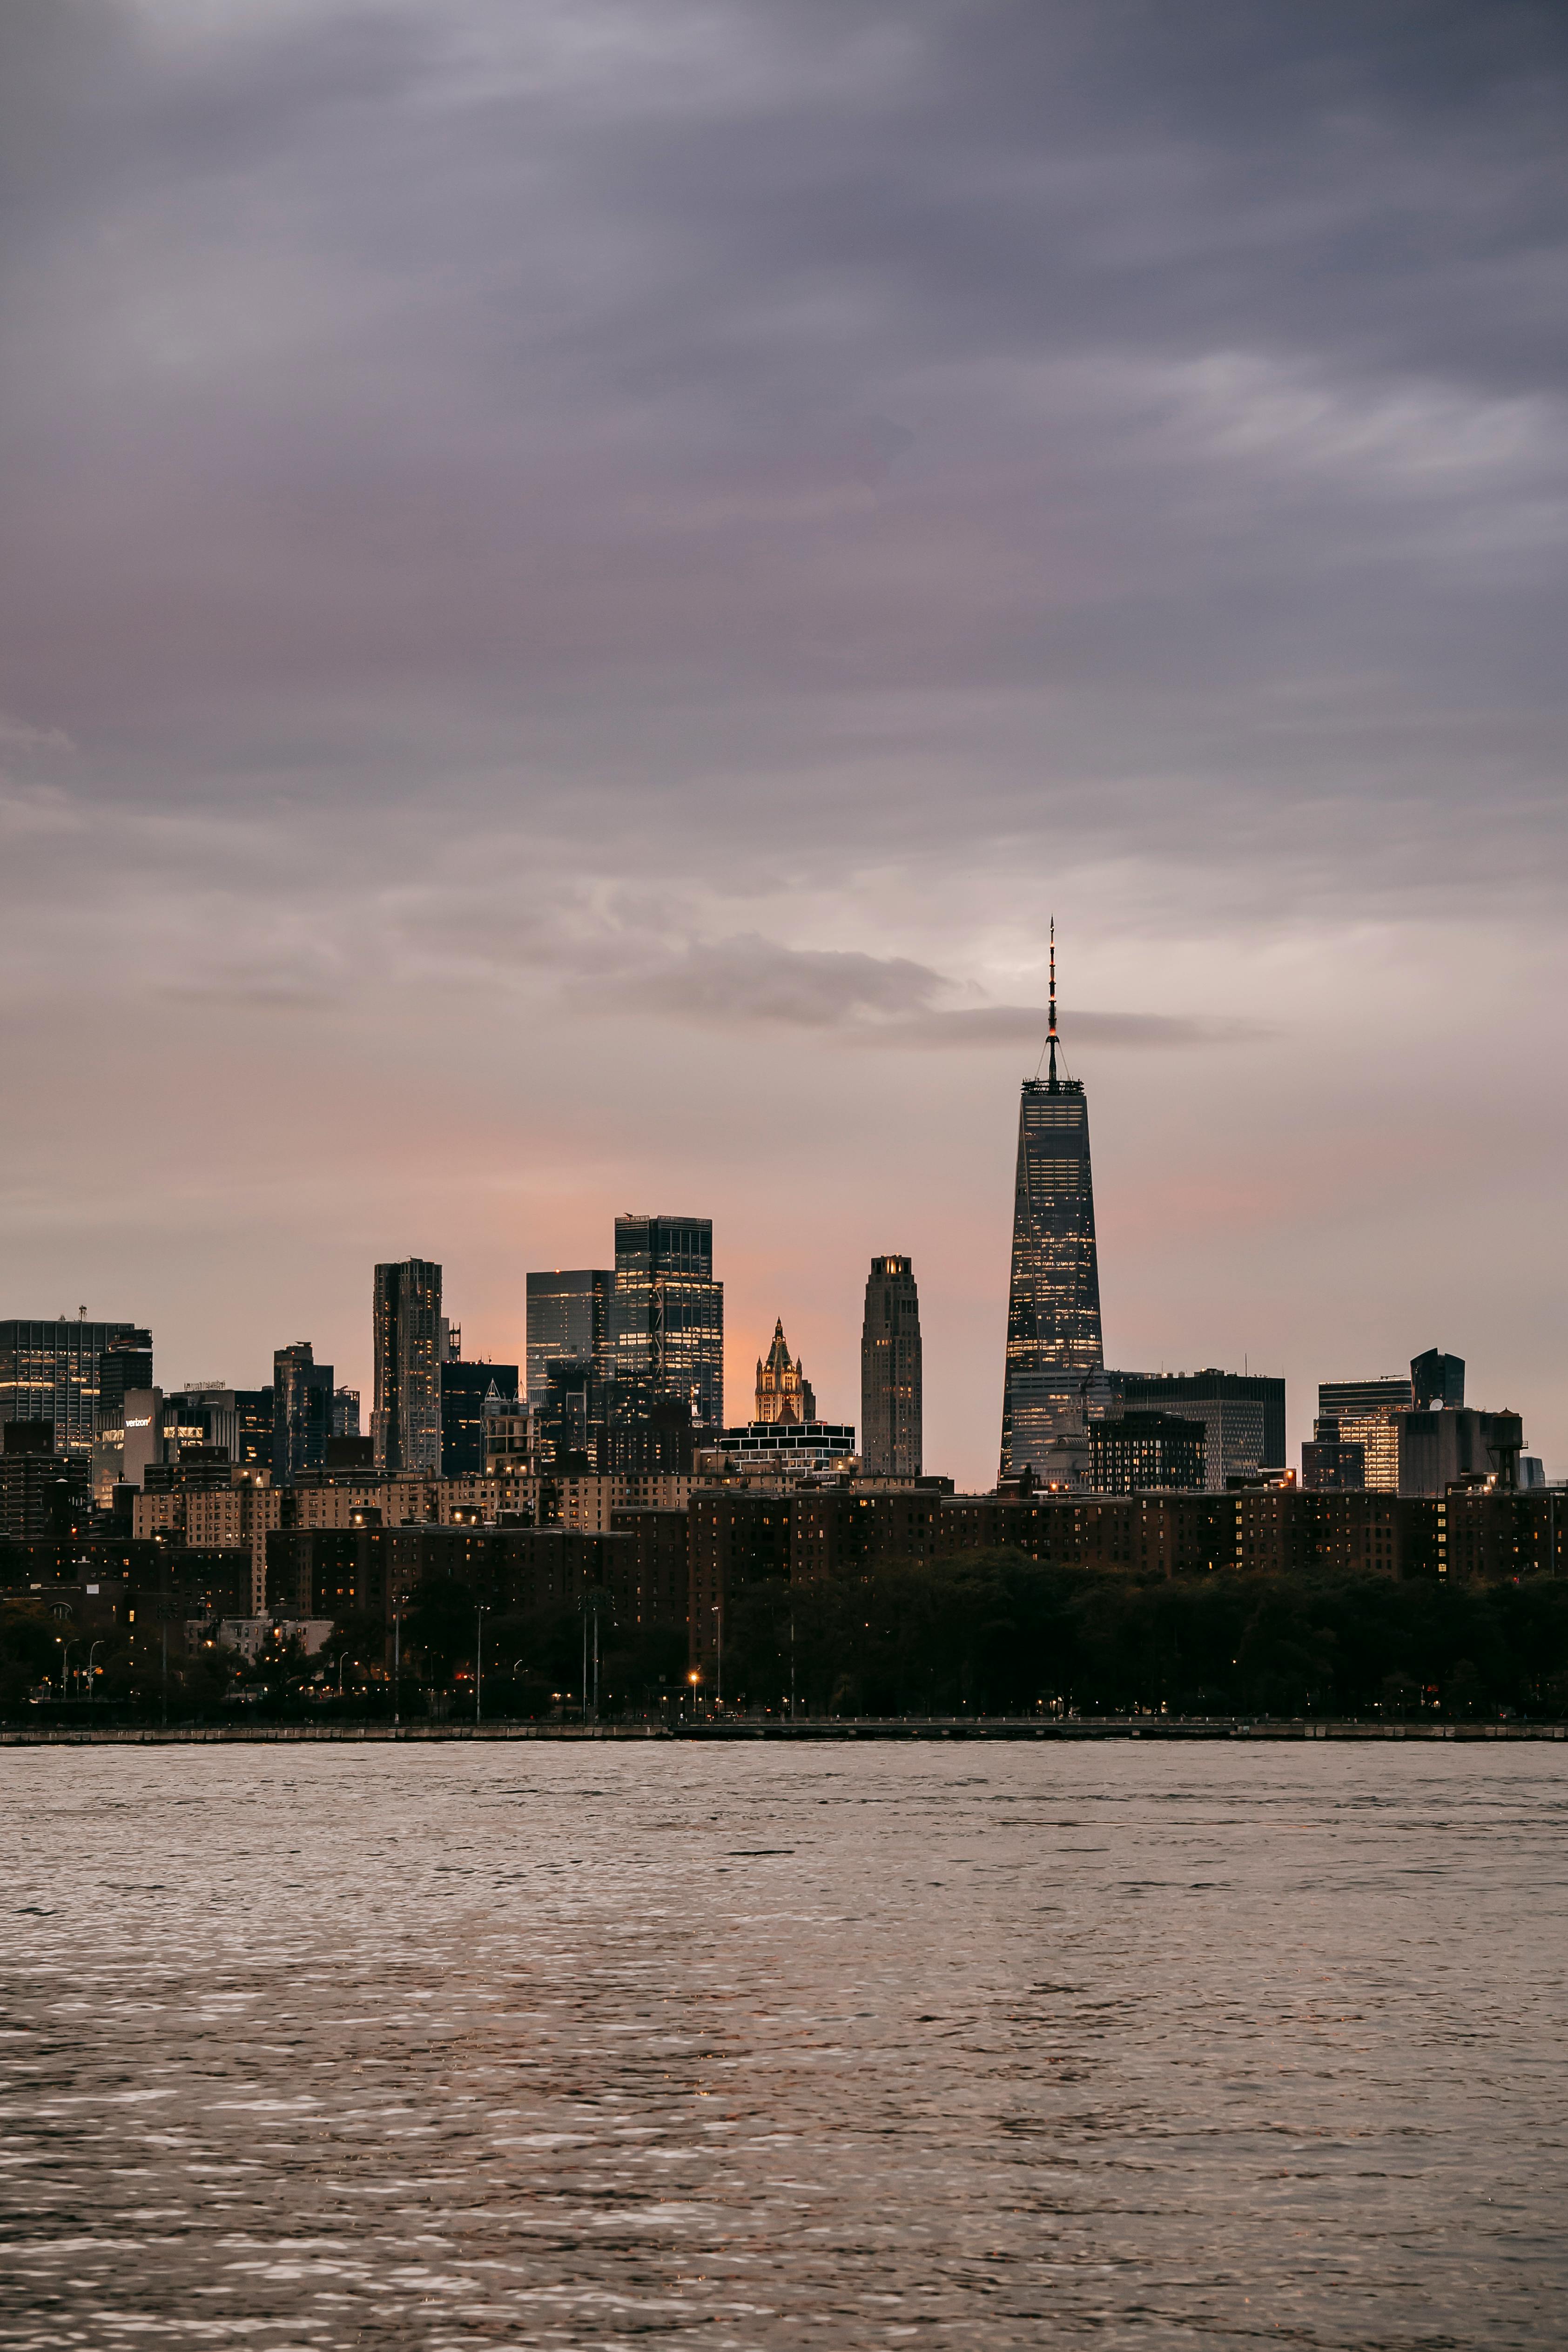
(66, 1648)
(718, 1612)
(92, 1653)
(479, 1661)
(694, 1678)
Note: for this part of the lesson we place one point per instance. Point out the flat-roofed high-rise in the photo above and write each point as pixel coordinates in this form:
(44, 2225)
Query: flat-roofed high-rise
(1054, 1346)
(891, 1371)
(669, 1312)
(569, 1322)
(53, 1371)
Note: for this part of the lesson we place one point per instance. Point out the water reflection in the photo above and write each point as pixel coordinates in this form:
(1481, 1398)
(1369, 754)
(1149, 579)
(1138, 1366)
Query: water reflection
(449, 2047)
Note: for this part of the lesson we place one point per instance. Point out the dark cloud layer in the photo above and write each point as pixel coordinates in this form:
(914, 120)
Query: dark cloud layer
(724, 517)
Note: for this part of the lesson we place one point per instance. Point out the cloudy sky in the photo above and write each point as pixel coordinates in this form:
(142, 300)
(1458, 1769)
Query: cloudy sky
(580, 580)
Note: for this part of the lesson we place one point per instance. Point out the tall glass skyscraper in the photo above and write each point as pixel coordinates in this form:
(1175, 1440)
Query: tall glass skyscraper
(669, 1312)
(568, 1321)
(1054, 1347)
(406, 1422)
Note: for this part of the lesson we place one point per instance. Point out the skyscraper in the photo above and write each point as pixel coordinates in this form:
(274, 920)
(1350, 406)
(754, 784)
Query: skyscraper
(569, 1321)
(302, 1411)
(53, 1372)
(1366, 1414)
(1054, 1347)
(405, 1420)
(891, 1373)
(784, 1393)
(669, 1312)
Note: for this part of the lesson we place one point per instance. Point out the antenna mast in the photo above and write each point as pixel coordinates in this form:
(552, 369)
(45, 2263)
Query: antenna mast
(1052, 1033)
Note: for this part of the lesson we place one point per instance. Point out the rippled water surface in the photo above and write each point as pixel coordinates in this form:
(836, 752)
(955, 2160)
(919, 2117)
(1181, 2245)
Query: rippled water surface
(555, 2045)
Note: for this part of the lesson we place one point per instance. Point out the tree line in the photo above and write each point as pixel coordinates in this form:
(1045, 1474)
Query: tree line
(988, 1633)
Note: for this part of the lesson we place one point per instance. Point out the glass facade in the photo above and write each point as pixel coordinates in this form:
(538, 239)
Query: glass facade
(1436, 1379)
(669, 1312)
(302, 1411)
(406, 1422)
(1365, 1411)
(1243, 1415)
(242, 1420)
(569, 1321)
(891, 1372)
(53, 1372)
(1054, 1347)
(1142, 1450)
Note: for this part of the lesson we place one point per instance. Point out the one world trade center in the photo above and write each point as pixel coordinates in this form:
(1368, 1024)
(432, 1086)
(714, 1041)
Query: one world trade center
(1055, 1355)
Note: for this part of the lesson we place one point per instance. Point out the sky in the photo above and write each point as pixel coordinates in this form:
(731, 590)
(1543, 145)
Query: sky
(579, 582)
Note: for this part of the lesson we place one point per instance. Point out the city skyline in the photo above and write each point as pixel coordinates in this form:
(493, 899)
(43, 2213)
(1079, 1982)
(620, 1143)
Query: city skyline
(545, 704)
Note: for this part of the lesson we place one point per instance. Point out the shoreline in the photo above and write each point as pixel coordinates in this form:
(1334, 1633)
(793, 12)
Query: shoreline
(901, 1728)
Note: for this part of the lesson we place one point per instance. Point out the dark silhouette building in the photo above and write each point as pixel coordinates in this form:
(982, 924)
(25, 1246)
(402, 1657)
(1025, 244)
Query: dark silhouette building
(42, 1493)
(242, 1420)
(1140, 1452)
(669, 1312)
(302, 1411)
(891, 1371)
(1332, 1463)
(1436, 1379)
(120, 1371)
(1054, 1347)
(406, 1422)
(471, 1395)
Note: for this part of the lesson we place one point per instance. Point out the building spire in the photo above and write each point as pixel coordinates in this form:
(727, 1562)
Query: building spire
(1052, 1033)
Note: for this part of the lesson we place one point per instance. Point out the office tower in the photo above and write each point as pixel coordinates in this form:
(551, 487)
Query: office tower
(406, 1422)
(302, 1411)
(890, 1375)
(129, 1366)
(1436, 1379)
(784, 1393)
(1365, 1411)
(50, 1370)
(1054, 1351)
(43, 1492)
(345, 1413)
(1354, 1399)
(472, 1395)
(571, 1413)
(669, 1312)
(1243, 1415)
(243, 1421)
(1136, 1452)
(569, 1321)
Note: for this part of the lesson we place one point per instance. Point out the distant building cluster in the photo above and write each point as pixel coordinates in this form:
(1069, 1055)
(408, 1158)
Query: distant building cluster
(1069, 1425)
(604, 1463)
